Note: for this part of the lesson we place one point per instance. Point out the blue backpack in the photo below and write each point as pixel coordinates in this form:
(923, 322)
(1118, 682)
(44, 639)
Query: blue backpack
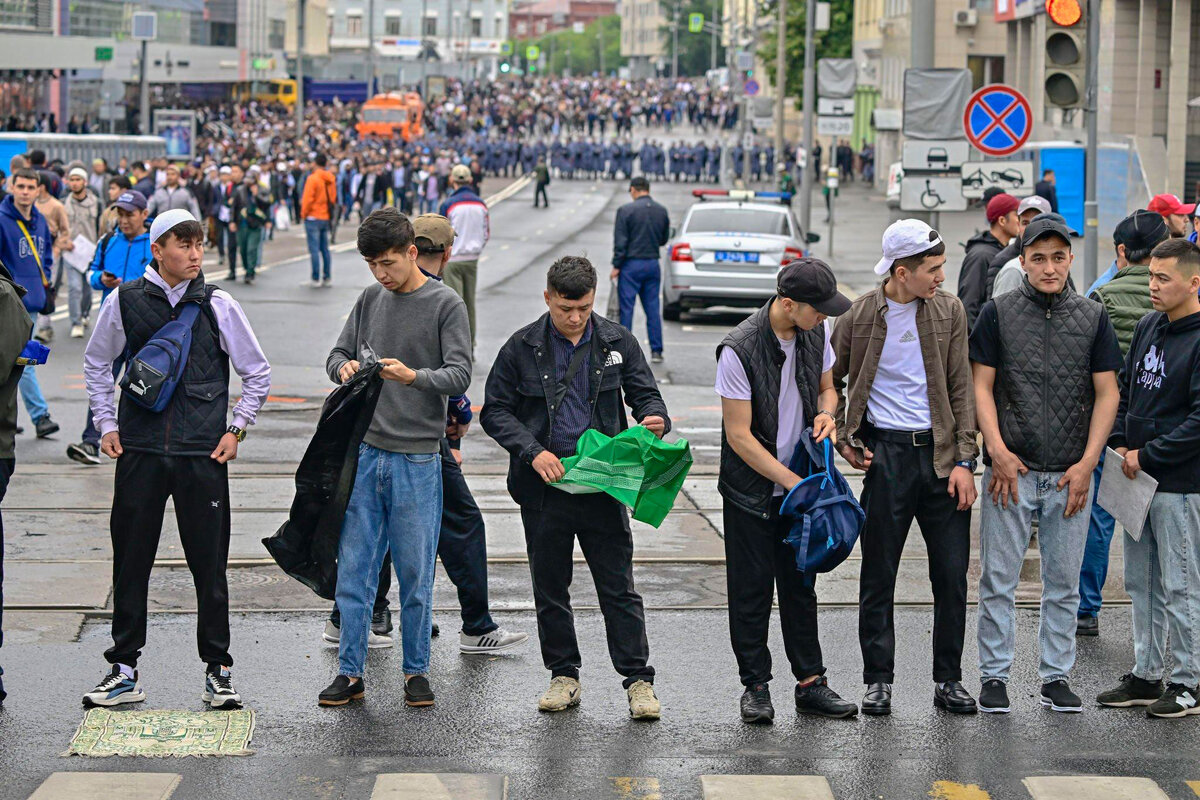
(155, 371)
(827, 516)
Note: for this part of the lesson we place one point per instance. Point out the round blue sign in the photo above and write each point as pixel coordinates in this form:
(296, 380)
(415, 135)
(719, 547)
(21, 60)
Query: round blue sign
(997, 120)
(751, 87)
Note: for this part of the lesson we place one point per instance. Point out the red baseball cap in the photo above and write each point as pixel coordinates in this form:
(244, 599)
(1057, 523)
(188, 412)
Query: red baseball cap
(1000, 205)
(1167, 204)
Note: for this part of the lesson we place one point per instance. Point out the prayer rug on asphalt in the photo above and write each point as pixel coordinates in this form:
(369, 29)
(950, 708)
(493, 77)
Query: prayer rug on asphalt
(163, 734)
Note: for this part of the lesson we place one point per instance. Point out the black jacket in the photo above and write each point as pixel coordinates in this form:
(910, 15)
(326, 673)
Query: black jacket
(1159, 415)
(515, 412)
(642, 227)
(1046, 190)
(972, 279)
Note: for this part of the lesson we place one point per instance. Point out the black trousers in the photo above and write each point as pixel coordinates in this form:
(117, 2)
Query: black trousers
(757, 563)
(200, 488)
(900, 486)
(7, 465)
(540, 191)
(462, 546)
(602, 526)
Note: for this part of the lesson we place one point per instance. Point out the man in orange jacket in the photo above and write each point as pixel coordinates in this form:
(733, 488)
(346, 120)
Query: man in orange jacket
(317, 208)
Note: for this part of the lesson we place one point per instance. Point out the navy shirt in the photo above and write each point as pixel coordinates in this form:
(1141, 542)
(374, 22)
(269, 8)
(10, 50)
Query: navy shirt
(574, 416)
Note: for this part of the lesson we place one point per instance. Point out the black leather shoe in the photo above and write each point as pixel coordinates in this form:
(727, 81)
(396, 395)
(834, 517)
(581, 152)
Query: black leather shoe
(1087, 626)
(342, 691)
(756, 705)
(878, 699)
(817, 698)
(954, 698)
(417, 692)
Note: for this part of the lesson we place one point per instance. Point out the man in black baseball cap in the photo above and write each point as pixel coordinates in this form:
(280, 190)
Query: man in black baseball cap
(775, 381)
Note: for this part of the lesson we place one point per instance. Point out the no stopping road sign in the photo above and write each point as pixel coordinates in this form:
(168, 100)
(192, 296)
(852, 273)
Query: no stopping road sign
(997, 120)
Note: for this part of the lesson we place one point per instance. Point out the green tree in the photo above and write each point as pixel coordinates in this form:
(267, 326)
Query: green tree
(695, 49)
(837, 42)
(579, 52)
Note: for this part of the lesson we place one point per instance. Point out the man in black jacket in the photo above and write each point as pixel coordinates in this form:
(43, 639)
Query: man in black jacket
(982, 248)
(1046, 188)
(642, 227)
(1158, 430)
(553, 380)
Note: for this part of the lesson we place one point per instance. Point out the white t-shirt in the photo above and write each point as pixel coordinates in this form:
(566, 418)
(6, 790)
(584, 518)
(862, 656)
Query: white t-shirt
(733, 384)
(899, 399)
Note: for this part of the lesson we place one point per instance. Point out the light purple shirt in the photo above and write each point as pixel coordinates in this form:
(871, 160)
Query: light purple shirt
(237, 340)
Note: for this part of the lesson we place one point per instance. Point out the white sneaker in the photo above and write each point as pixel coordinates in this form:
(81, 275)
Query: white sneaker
(642, 702)
(311, 284)
(115, 690)
(490, 642)
(77, 331)
(563, 693)
(218, 690)
(375, 641)
(326, 283)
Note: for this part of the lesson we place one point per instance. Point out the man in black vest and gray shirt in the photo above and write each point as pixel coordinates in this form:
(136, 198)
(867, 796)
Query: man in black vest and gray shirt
(774, 379)
(1045, 363)
(181, 452)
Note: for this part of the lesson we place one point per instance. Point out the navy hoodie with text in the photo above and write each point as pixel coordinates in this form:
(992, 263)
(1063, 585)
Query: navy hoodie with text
(1159, 414)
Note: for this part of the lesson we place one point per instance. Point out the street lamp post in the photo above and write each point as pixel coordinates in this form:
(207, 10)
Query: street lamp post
(300, 69)
(780, 77)
(675, 43)
(600, 50)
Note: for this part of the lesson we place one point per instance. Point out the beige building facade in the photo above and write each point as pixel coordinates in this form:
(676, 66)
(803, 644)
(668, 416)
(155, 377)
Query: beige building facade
(642, 40)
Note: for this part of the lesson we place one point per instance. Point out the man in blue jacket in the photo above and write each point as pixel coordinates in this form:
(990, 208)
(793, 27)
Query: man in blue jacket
(121, 255)
(25, 248)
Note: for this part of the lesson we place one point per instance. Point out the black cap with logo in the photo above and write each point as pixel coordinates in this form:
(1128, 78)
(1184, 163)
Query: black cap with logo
(810, 280)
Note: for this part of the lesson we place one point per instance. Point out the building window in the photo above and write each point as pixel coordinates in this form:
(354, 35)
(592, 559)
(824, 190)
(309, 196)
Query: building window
(222, 34)
(429, 26)
(476, 27)
(391, 25)
(25, 14)
(275, 40)
(354, 27)
(99, 18)
(520, 29)
(329, 32)
(985, 70)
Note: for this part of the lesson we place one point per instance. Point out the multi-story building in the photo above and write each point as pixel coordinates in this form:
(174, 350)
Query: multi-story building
(59, 55)
(642, 42)
(465, 35)
(532, 19)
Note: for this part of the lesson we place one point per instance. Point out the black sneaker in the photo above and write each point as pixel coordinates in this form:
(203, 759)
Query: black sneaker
(993, 697)
(953, 697)
(417, 692)
(656, 358)
(1131, 691)
(84, 453)
(817, 698)
(1057, 696)
(756, 705)
(342, 691)
(1177, 701)
(45, 427)
(381, 621)
(1087, 626)
(218, 688)
(436, 630)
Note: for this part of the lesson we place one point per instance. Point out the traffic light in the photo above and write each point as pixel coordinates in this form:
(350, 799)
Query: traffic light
(505, 66)
(1066, 54)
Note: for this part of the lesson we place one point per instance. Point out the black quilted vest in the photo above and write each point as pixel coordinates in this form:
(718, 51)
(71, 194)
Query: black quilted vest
(1044, 393)
(194, 422)
(762, 358)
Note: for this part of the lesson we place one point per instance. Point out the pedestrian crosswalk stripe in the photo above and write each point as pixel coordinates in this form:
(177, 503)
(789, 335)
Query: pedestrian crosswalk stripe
(765, 787)
(636, 788)
(1093, 787)
(952, 790)
(125, 785)
(439, 786)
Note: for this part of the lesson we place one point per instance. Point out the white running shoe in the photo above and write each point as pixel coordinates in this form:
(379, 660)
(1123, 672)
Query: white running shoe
(375, 641)
(219, 691)
(115, 689)
(490, 642)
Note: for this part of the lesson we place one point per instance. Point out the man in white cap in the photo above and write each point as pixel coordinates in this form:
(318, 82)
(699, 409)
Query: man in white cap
(181, 452)
(83, 215)
(907, 418)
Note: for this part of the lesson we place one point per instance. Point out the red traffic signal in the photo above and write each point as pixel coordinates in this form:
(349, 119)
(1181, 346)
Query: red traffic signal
(1064, 12)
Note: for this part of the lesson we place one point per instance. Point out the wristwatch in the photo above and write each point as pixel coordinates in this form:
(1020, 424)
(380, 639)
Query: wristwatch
(240, 433)
(970, 465)
(823, 411)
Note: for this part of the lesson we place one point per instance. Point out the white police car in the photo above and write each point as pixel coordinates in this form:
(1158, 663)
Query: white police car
(729, 249)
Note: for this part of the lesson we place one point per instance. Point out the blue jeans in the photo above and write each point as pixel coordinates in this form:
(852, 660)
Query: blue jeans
(397, 502)
(1095, 557)
(1162, 572)
(641, 277)
(316, 233)
(31, 391)
(1004, 536)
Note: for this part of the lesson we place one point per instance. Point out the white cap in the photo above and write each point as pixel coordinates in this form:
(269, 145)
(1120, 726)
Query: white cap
(167, 220)
(905, 238)
(1034, 201)
(78, 172)
(226, 170)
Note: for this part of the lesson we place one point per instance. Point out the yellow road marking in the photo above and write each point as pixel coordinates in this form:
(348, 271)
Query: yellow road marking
(636, 788)
(1194, 786)
(952, 790)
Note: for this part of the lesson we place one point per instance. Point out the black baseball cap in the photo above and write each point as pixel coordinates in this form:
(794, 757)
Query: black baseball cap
(1141, 230)
(1044, 225)
(810, 280)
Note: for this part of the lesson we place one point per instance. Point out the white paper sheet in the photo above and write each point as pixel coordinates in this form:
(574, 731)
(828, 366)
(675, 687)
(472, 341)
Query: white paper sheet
(80, 258)
(1127, 500)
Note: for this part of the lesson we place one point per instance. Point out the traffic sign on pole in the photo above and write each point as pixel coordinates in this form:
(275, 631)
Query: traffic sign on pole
(997, 120)
(695, 23)
(532, 52)
(751, 87)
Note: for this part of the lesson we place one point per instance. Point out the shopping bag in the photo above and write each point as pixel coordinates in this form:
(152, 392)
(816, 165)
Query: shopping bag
(634, 467)
(282, 220)
(613, 312)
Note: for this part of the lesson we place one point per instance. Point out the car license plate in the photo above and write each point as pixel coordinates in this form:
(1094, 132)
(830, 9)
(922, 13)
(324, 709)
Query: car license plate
(732, 255)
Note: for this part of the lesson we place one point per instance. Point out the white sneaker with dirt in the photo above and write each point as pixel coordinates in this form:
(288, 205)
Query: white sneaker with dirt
(490, 642)
(77, 331)
(375, 641)
(642, 702)
(563, 693)
(218, 689)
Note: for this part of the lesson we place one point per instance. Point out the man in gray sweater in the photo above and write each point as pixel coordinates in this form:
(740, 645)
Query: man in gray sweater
(419, 329)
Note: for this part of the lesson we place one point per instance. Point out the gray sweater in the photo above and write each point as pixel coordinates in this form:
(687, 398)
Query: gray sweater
(427, 330)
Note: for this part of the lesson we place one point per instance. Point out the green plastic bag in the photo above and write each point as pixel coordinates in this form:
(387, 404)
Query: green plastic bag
(635, 467)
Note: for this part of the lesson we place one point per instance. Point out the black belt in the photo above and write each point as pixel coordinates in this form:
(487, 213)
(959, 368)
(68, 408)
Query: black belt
(912, 438)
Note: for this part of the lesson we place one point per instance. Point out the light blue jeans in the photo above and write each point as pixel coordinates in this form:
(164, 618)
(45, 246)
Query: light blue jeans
(1004, 537)
(31, 390)
(1162, 576)
(397, 502)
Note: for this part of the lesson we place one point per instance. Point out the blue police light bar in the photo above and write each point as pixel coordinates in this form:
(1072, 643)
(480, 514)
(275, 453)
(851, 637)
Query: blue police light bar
(741, 194)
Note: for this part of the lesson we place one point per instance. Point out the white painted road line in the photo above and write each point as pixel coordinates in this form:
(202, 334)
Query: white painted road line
(765, 787)
(91, 785)
(1093, 787)
(439, 786)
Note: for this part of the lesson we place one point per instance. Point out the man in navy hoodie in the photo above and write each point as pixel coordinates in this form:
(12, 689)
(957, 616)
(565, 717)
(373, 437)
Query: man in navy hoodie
(25, 248)
(1158, 430)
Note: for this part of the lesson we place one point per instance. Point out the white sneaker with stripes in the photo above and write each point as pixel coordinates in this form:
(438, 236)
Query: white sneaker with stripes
(490, 642)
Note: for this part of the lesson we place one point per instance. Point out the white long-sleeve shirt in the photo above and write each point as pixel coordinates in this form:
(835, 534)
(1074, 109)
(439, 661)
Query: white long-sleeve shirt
(237, 341)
